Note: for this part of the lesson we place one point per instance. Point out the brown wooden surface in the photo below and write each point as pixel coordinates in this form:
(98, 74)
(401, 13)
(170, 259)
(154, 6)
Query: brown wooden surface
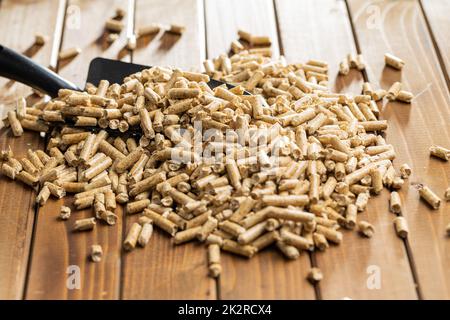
(166, 49)
(162, 270)
(17, 210)
(225, 18)
(413, 128)
(300, 30)
(267, 275)
(436, 13)
(56, 251)
(345, 266)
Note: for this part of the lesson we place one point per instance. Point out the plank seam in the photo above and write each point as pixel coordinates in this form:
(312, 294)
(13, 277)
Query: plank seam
(435, 45)
(311, 255)
(131, 25)
(205, 29)
(406, 246)
(314, 264)
(57, 47)
(277, 25)
(217, 281)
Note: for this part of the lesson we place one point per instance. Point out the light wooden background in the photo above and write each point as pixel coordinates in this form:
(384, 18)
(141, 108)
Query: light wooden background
(36, 250)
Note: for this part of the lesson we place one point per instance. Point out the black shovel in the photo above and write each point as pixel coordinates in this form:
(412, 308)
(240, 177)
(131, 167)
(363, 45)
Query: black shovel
(18, 67)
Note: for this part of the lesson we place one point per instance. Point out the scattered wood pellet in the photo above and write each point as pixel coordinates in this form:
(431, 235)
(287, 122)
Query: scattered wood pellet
(429, 196)
(395, 203)
(393, 61)
(96, 253)
(404, 96)
(112, 37)
(366, 229)
(114, 25)
(146, 233)
(176, 29)
(360, 62)
(405, 171)
(132, 236)
(447, 194)
(401, 227)
(244, 35)
(344, 67)
(65, 212)
(394, 91)
(315, 275)
(14, 123)
(214, 260)
(40, 39)
(84, 224)
(120, 13)
(148, 30)
(69, 53)
(440, 152)
(447, 230)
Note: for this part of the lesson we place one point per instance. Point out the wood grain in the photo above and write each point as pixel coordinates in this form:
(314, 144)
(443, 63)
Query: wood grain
(225, 18)
(56, 247)
(162, 270)
(436, 12)
(399, 27)
(346, 266)
(186, 51)
(267, 275)
(17, 211)
(304, 30)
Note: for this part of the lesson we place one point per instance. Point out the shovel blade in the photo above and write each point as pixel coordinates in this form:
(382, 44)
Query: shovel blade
(115, 71)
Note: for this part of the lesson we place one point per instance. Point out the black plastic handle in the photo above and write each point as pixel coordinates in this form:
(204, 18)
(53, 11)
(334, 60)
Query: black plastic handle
(17, 67)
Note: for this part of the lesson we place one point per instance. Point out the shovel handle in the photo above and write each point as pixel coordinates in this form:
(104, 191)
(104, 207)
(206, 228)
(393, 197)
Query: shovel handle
(16, 66)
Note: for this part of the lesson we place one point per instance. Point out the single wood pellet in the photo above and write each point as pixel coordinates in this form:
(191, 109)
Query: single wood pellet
(96, 253)
(114, 25)
(440, 152)
(65, 212)
(315, 275)
(395, 203)
(393, 61)
(366, 229)
(401, 227)
(176, 29)
(69, 53)
(429, 197)
(214, 260)
(292, 163)
(40, 39)
(132, 236)
(84, 224)
(146, 233)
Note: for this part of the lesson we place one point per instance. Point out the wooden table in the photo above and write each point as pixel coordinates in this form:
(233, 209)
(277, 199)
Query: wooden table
(39, 254)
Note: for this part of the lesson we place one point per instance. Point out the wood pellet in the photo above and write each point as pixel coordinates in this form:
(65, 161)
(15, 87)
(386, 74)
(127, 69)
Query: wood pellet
(284, 168)
(96, 253)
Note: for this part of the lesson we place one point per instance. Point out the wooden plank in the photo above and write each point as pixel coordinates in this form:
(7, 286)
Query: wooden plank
(225, 18)
(17, 217)
(345, 266)
(58, 250)
(267, 275)
(304, 31)
(162, 270)
(166, 49)
(436, 13)
(399, 27)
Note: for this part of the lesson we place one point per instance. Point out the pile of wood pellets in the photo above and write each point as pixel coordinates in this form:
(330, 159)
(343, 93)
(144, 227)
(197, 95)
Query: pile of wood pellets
(286, 166)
